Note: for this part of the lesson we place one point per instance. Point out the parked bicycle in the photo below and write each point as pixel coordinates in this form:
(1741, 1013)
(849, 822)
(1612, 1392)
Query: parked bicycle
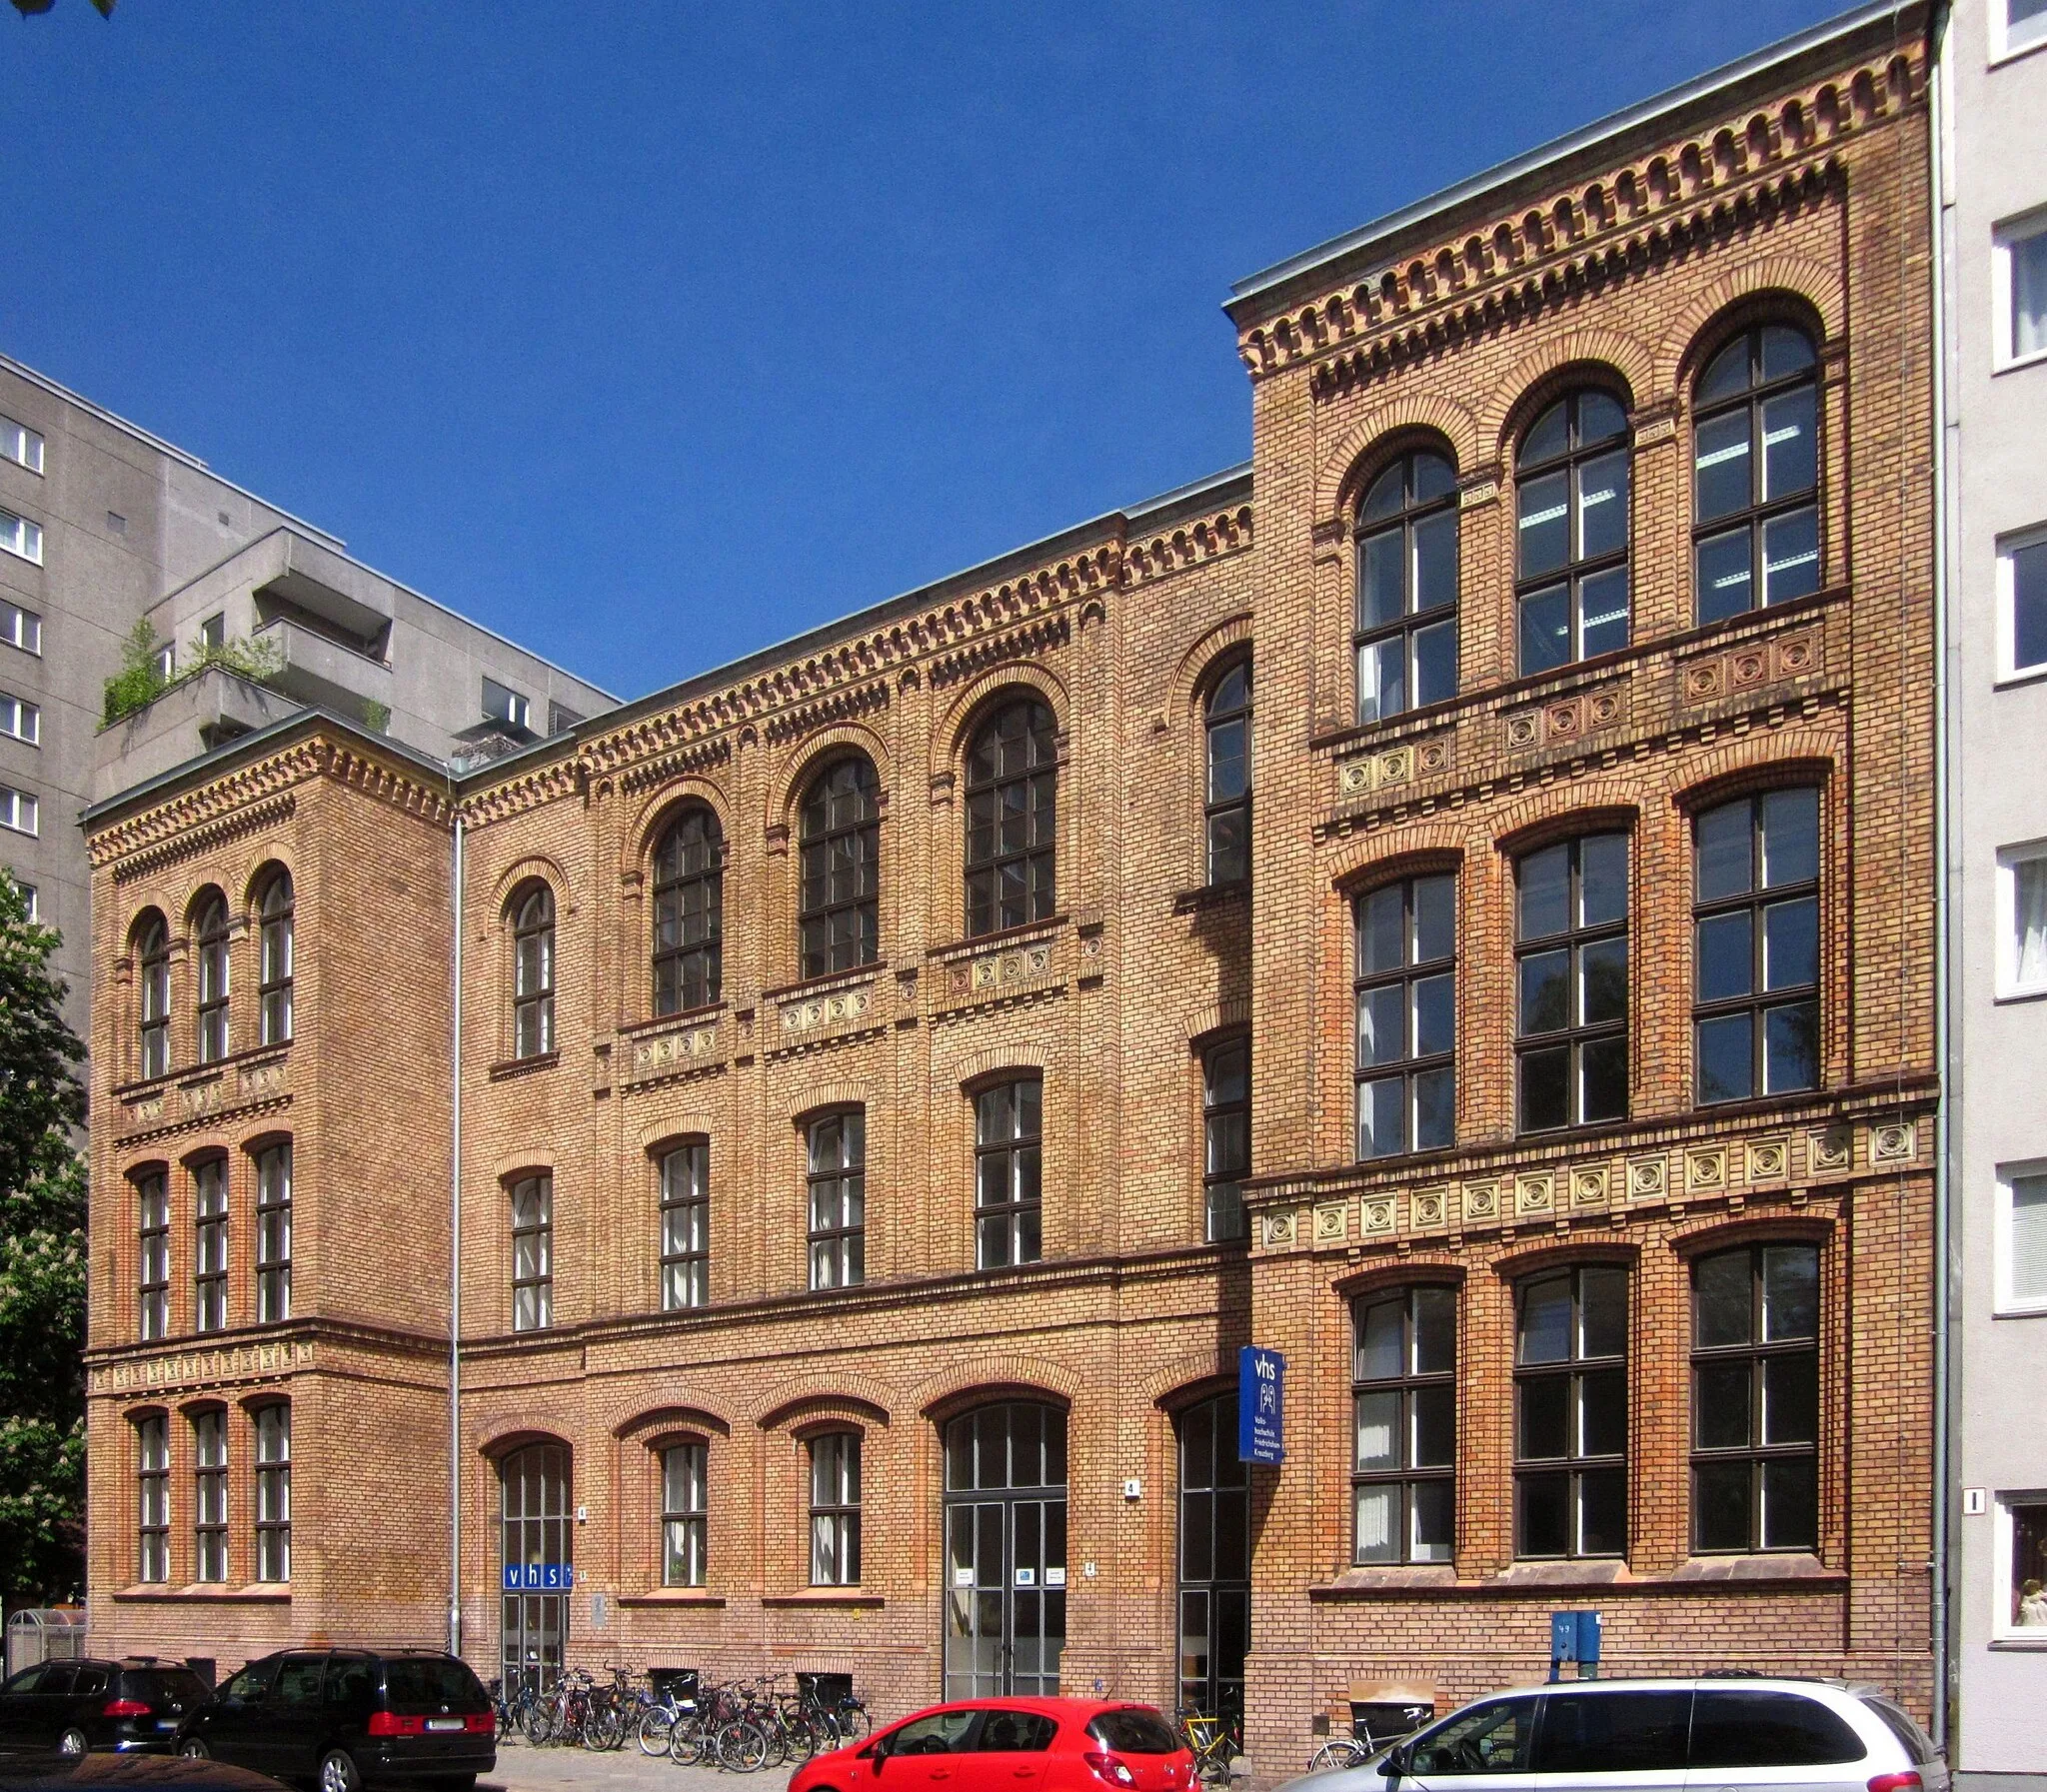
(1209, 1740)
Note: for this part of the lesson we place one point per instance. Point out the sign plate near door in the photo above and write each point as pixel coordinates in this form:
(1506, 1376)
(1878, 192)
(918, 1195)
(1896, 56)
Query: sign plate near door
(538, 1577)
(1261, 1405)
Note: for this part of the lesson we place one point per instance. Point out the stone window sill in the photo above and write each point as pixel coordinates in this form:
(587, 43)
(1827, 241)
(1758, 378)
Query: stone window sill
(277, 1592)
(842, 1598)
(520, 1066)
(684, 1597)
(1212, 895)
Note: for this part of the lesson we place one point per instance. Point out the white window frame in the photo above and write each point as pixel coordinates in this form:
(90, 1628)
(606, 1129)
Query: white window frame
(29, 895)
(20, 812)
(2009, 547)
(21, 444)
(21, 538)
(2009, 858)
(2022, 229)
(20, 719)
(21, 627)
(2006, 1304)
(2004, 41)
(2002, 1629)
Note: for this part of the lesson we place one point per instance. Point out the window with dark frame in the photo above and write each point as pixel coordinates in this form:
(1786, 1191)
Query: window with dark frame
(1755, 474)
(274, 1492)
(685, 1226)
(1225, 1136)
(1755, 1399)
(1009, 1173)
(1571, 1413)
(533, 1253)
(274, 962)
(210, 1494)
(213, 977)
(838, 854)
(533, 974)
(153, 1499)
(273, 1234)
(1570, 961)
(1227, 740)
(1012, 776)
(1406, 945)
(838, 1185)
(152, 1254)
(684, 1516)
(1571, 531)
(1755, 923)
(210, 1244)
(835, 1510)
(1406, 612)
(688, 912)
(1404, 1426)
(153, 951)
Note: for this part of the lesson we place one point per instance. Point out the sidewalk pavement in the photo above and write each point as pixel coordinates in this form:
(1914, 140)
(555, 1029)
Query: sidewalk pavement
(524, 1768)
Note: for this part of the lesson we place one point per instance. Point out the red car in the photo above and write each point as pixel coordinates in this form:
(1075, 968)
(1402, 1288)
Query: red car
(1012, 1745)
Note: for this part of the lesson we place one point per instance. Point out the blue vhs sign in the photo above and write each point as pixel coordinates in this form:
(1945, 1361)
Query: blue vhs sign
(538, 1577)
(1261, 1405)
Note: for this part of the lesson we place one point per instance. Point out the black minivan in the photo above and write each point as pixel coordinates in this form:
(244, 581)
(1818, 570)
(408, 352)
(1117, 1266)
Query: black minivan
(72, 1706)
(348, 1718)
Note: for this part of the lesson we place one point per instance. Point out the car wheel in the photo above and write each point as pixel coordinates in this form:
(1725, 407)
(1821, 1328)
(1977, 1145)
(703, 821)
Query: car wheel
(338, 1772)
(195, 1750)
(72, 1743)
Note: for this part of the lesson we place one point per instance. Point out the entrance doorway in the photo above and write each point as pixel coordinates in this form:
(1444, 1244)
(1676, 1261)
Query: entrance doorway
(534, 1487)
(1006, 1551)
(1214, 1561)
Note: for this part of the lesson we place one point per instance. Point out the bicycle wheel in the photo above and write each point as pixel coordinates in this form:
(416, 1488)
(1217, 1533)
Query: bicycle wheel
(853, 1722)
(741, 1745)
(539, 1723)
(656, 1730)
(1337, 1752)
(686, 1740)
(604, 1729)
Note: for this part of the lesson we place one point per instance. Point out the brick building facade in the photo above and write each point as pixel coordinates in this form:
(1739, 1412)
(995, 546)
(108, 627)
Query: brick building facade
(885, 1107)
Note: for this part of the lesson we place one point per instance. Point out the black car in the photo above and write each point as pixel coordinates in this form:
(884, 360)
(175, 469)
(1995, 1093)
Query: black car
(349, 1718)
(73, 1706)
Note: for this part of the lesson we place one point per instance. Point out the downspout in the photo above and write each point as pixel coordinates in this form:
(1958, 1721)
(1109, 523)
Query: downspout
(454, 1276)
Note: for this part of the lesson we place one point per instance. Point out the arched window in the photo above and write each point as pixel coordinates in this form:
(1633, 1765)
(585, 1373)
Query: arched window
(1406, 993)
(839, 920)
(1571, 531)
(1755, 472)
(1571, 1413)
(1570, 961)
(685, 1226)
(213, 977)
(533, 1252)
(684, 1516)
(837, 1183)
(835, 1510)
(688, 912)
(153, 951)
(274, 981)
(1228, 742)
(1404, 1420)
(1407, 588)
(533, 972)
(1012, 818)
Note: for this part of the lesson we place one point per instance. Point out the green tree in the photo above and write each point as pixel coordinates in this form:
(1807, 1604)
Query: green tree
(42, 1269)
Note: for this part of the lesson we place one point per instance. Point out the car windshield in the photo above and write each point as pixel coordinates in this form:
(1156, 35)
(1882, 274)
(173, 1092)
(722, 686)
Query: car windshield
(431, 1680)
(163, 1685)
(1134, 1730)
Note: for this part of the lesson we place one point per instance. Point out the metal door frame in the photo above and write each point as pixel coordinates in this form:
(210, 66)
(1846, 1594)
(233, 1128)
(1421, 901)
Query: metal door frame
(1214, 1697)
(524, 1626)
(1048, 1497)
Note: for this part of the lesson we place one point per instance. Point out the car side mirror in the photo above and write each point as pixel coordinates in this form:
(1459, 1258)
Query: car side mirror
(1397, 1761)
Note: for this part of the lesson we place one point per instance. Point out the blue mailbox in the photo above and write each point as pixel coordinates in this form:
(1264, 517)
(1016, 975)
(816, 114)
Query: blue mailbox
(1575, 1636)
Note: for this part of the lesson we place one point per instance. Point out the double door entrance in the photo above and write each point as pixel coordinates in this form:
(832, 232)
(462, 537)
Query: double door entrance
(1006, 1551)
(533, 1486)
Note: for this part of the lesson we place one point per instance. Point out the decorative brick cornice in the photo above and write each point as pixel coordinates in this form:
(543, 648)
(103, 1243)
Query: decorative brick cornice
(1189, 543)
(530, 790)
(834, 706)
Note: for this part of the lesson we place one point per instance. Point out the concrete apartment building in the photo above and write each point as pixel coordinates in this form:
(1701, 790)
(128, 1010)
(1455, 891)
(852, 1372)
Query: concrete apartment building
(103, 523)
(1452, 902)
(1993, 221)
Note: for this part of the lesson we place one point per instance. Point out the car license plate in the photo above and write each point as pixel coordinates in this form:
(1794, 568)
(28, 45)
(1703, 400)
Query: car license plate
(167, 1723)
(444, 1723)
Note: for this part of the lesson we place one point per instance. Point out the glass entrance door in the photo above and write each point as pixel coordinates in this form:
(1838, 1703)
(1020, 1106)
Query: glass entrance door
(1214, 1561)
(534, 1487)
(1006, 1551)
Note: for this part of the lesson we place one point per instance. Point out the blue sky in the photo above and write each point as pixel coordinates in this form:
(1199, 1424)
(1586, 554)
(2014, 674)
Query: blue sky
(649, 332)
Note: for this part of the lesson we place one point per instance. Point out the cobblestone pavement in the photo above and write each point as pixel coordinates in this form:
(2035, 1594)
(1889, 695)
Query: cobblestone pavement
(521, 1768)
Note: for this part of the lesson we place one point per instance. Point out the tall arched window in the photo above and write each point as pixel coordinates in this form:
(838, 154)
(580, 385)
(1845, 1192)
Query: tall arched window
(838, 918)
(274, 979)
(1407, 588)
(533, 972)
(153, 951)
(213, 977)
(1571, 531)
(1013, 781)
(1755, 472)
(1228, 742)
(688, 912)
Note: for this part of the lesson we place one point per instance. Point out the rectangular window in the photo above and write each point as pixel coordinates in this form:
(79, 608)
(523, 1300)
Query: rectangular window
(2022, 919)
(1406, 964)
(1009, 1175)
(210, 1494)
(835, 1510)
(533, 1253)
(838, 1182)
(20, 627)
(153, 1258)
(1570, 964)
(21, 538)
(153, 1499)
(21, 444)
(685, 1226)
(1404, 1421)
(2022, 603)
(1571, 1413)
(273, 1234)
(19, 811)
(209, 1246)
(2020, 254)
(1225, 1136)
(21, 719)
(2021, 1239)
(2024, 22)
(2022, 1543)
(31, 899)
(501, 704)
(274, 1493)
(684, 1515)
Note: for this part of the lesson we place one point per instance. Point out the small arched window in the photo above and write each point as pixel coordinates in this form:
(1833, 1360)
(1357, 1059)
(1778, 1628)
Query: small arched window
(1013, 781)
(533, 972)
(153, 951)
(1571, 531)
(838, 910)
(213, 977)
(1229, 808)
(274, 982)
(688, 912)
(1755, 472)
(1407, 588)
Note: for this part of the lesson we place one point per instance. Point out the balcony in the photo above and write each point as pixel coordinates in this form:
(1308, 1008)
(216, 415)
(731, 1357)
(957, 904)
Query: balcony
(196, 714)
(319, 670)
